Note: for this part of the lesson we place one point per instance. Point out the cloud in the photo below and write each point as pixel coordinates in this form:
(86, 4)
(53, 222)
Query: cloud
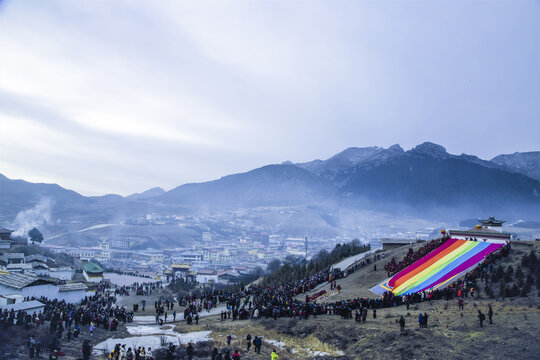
(122, 96)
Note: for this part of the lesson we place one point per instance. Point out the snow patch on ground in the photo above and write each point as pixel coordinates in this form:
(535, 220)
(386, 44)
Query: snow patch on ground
(94, 227)
(213, 311)
(153, 341)
(144, 319)
(279, 344)
(159, 337)
(343, 264)
(124, 280)
(150, 330)
(151, 319)
(308, 351)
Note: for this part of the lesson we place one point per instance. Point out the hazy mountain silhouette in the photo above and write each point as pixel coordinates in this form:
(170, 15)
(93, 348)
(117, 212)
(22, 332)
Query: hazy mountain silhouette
(156, 191)
(269, 185)
(526, 163)
(419, 180)
(340, 167)
(427, 177)
(19, 195)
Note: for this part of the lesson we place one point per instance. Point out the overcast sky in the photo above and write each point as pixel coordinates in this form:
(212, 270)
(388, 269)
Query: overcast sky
(120, 96)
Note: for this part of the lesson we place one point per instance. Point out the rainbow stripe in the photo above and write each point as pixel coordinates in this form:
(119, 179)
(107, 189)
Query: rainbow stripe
(440, 266)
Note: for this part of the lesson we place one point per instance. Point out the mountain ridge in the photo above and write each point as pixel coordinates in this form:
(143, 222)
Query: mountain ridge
(526, 163)
(424, 176)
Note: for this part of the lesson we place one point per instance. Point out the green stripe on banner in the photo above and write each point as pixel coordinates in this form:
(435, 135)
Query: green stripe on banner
(434, 268)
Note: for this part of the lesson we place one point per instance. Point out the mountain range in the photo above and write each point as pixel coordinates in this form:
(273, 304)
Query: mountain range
(425, 181)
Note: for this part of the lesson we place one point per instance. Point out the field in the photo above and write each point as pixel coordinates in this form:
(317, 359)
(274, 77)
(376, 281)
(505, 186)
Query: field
(450, 334)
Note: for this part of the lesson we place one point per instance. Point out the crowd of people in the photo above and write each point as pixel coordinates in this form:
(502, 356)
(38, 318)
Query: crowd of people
(122, 352)
(257, 301)
(143, 289)
(273, 301)
(393, 267)
(67, 321)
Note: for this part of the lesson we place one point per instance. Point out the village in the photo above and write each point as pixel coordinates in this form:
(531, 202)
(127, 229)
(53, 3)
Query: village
(209, 262)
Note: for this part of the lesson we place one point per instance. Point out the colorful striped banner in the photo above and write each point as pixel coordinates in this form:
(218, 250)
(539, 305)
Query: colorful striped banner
(420, 262)
(440, 266)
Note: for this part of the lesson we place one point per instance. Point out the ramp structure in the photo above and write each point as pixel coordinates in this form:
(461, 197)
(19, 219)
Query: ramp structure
(444, 264)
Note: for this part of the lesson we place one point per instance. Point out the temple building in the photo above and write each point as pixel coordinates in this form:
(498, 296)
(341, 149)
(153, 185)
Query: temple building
(492, 224)
(488, 230)
(92, 272)
(5, 234)
(392, 243)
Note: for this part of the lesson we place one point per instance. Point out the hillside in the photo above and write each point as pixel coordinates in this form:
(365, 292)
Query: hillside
(450, 334)
(340, 167)
(271, 185)
(526, 163)
(58, 203)
(321, 198)
(372, 178)
(427, 177)
(156, 191)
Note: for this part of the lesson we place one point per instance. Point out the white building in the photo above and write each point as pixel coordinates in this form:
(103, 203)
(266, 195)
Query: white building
(62, 273)
(206, 237)
(73, 293)
(228, 277)
(31, 307)
(188, 258)
(119, 244)
(206, 277)
(92, 272)
(83, 253)
(15, 287)
(21, 267)
(26, 285)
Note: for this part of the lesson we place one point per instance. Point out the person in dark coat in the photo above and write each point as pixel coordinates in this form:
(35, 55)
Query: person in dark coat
(86, 350)
(190, 351)
(248, 340)
(424, 324)
(258, 343)
(481, 318)
(401, 324)
(490, 314)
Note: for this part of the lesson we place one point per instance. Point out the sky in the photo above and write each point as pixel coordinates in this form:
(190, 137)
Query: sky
(121, 96)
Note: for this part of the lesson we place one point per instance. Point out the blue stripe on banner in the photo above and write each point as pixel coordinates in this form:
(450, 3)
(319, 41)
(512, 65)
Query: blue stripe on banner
(452, 265)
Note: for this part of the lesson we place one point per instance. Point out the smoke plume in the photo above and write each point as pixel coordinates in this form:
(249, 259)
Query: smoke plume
(36, 216)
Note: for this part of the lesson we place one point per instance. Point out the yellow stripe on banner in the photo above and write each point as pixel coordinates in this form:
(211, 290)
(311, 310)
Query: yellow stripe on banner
(434, 268)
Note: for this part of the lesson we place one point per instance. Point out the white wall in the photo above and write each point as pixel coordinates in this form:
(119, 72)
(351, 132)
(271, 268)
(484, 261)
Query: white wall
(74, 296)
(62, 275)
(205, 279)
(49, 290)
(42, 272)
(92, 279)
(29, 311)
